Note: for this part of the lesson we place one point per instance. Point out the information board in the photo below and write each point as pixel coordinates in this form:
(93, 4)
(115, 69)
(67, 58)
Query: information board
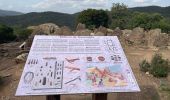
(76, 64)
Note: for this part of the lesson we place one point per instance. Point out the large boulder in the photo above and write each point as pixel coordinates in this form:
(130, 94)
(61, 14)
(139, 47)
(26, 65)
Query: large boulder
(136, 37)
(117, 32)
(101, 31)
(151, 36)
(99, 34)
(85, 32)
(161, 41)
(126, 32)
(138, 30)
(66, 31)
(81, 26)
(21, 58)
(109, 32)
(49, 28)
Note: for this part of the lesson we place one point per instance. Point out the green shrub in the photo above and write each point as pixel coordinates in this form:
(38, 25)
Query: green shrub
(6, 34)
(22, 33)
(93, 18)
(144, 66)
(159, 66)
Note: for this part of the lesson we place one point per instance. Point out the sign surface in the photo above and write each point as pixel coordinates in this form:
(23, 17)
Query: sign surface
(76, 64)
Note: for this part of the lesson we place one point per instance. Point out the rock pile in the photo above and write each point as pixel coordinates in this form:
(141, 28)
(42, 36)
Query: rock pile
(137, 37)
(82, 31)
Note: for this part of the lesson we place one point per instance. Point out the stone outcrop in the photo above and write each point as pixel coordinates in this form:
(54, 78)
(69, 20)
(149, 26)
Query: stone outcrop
(85, 32)
(101, 31)
(48, 28)
(99, 34)
(117, 32)
(66, 31)
(162, 41)
(110, 32)
(136, 37)
(81, 26)
(151, 36)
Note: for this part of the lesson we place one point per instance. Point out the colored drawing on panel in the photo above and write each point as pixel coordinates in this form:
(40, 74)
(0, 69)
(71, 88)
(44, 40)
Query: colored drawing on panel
(105, 76)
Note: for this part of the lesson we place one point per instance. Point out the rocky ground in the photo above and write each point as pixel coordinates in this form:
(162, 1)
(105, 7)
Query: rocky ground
(149, 85)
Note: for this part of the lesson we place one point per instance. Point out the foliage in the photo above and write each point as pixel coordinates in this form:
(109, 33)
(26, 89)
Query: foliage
(164, 25)
(33, 18)
(165, 87)
(146, 21)
(125, 18)
(119, 16)
(144, 66)
(6, 34)
(93, 18)
(22, 33)
(159, 66)
(165, 11)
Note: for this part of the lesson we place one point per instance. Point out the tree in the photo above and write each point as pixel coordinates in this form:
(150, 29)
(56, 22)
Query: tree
(22, 33)
(146, 21)
(6, 34)
(120, 16)
(93, 18)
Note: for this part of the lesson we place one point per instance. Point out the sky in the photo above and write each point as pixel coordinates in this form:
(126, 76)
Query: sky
(72, 6)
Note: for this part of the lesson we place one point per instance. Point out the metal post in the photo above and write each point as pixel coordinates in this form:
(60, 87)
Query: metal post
(53, 97)
(99, 96)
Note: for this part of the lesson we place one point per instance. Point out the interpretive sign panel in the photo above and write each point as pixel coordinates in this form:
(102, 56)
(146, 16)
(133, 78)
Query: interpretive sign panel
(76, 64)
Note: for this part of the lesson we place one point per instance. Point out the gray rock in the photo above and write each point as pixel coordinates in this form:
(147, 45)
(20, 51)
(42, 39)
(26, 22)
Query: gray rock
(66, 31)
(21, 58)
(81, 26)
(101, 31)
(85, 32)
(99, 34)
(138, 30)
(151, 36)
(117, 32)
(109, 32)
(136, 37)
(161, 41)
(46, 29)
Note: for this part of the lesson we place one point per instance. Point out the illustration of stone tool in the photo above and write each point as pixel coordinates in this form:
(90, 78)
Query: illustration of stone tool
(33, 61)
(72, 60)
(72, 68)
(78, 78)
(110, 44)
(28, 77)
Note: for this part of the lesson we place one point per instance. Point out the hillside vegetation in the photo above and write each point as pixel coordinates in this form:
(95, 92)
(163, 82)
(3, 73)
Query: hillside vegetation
(165, 11)
(9, 13)
(69, 20)
(30, 19)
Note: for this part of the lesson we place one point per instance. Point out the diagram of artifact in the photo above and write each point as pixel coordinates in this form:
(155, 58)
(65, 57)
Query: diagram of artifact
(109, 76)
(28, 77)
(49, 75)
(71, 60)
(111, 46)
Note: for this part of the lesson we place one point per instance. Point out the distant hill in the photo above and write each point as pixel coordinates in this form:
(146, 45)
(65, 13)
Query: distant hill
(63, 19)
(35, 18)
(165, 11)
(9, 13)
